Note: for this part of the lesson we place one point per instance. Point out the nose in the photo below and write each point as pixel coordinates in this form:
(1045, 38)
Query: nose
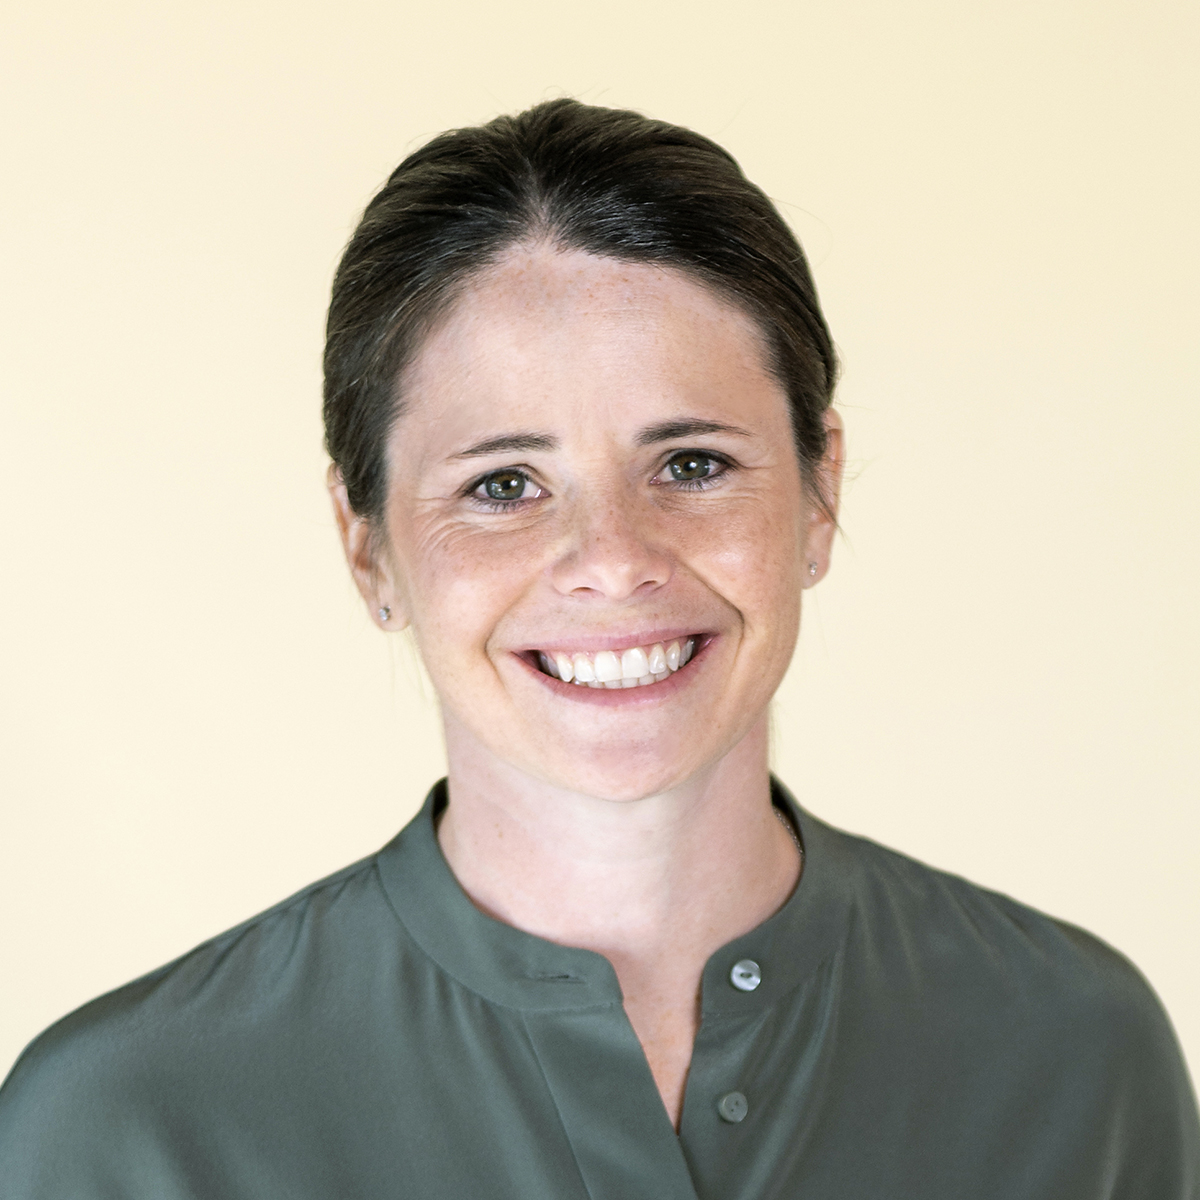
(610, 551)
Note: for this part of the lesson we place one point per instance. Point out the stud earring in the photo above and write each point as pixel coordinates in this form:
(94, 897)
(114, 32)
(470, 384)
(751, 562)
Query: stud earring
(385, 613)
(812, 568)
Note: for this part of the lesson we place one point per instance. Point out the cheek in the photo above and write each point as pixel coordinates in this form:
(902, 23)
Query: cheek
(461, 582)
(754, 558)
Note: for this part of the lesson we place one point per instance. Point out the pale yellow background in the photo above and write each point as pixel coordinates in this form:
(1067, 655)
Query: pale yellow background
(1000, 676)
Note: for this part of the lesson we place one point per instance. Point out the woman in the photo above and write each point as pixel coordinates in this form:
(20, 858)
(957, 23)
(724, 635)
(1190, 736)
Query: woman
(577, 402)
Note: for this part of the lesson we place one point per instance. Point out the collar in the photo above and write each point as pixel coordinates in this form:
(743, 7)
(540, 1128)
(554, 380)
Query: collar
(520, 970)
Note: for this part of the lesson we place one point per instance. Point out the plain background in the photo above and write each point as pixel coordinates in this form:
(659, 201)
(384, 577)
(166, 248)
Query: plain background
(1001, 675)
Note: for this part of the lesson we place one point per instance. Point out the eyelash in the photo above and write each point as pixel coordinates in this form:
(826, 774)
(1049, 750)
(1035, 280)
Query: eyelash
(487, 504)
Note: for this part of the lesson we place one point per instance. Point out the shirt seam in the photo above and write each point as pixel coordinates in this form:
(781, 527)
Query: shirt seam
(554, 1100)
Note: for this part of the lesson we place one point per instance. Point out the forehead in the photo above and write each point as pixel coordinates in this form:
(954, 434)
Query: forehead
(567, 336)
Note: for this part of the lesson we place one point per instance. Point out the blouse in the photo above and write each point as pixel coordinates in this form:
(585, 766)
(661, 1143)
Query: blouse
(892, 1032)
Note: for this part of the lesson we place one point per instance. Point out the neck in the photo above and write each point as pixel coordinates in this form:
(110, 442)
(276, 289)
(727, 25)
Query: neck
(656, 885)
(694, 866)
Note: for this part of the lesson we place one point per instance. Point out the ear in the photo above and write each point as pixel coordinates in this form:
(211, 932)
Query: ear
(822, 519)
(372, 573)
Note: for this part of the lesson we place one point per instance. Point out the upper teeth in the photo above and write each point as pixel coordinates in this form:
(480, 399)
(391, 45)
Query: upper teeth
(635, 667)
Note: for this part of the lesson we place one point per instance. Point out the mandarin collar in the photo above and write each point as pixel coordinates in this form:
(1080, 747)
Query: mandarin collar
(521, 970)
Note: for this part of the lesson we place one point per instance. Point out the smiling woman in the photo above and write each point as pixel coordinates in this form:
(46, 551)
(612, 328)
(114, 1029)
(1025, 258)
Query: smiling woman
(577, 403)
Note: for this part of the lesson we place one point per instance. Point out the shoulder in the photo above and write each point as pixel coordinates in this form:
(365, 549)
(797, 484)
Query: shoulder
(936, 922)
(122, 1061)
(213, 981)
(1027, 1022)
(976, 968)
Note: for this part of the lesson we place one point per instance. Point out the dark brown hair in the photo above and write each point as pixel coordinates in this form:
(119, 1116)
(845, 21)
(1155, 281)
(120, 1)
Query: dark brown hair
(603, 180)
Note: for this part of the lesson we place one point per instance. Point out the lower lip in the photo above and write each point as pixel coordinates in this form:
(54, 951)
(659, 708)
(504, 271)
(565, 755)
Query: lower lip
(623, 697)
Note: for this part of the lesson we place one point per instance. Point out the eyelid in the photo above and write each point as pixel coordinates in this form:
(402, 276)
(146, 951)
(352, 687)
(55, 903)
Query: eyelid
(700, 452)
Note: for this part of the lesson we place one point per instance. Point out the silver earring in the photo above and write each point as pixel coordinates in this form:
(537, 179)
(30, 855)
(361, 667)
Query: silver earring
(812, 568)
(385, 613)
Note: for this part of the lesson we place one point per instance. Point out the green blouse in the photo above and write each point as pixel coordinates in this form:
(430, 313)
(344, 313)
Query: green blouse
(891, 1032)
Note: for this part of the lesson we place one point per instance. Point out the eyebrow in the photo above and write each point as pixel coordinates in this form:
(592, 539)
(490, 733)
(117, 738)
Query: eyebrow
(663, 431)
(668, 431)
(510, 441)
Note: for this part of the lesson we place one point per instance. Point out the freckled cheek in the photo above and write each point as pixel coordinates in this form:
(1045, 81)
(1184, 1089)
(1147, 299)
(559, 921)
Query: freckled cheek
(755, 565)
(462, 594)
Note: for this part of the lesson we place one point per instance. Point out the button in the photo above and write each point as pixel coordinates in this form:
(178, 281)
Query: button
(745, 975)
(733, 1107)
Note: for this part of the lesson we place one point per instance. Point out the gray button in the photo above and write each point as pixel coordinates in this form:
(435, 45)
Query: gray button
(745, 975)
(732, 1107)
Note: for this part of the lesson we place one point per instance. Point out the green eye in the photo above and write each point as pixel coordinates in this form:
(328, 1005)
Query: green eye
(684, 467)
(504, 485)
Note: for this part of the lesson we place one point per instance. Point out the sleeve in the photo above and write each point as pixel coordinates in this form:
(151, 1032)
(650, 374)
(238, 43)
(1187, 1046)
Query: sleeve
(1140, 1090)
(1156, 1126)
(51, 1134)
(80, 1120)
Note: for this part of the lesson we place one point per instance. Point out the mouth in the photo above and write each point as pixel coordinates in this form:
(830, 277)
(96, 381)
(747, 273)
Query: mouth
(632, 667)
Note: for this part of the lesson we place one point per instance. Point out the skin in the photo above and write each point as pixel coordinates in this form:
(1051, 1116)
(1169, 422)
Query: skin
(636, 823)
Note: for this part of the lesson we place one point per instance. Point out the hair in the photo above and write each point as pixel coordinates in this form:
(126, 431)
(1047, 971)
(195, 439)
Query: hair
(606, 181)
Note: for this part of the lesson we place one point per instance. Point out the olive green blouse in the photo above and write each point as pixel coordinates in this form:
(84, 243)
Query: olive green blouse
(892, 1032)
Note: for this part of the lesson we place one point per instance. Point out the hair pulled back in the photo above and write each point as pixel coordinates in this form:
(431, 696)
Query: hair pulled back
(606, 181)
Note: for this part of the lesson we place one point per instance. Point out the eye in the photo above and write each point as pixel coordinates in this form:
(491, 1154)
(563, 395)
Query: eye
(693, 469)
(502, 488)
(688, 466)
(504, 485)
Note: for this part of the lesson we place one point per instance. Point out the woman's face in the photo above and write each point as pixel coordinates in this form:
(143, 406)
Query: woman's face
(595, 468)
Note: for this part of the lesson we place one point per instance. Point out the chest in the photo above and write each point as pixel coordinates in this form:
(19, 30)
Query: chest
(456, 1097)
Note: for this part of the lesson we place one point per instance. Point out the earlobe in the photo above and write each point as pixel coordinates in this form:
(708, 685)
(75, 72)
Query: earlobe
(359, 544)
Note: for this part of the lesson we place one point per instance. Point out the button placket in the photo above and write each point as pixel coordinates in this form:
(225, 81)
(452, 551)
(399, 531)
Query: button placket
(746, 976)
